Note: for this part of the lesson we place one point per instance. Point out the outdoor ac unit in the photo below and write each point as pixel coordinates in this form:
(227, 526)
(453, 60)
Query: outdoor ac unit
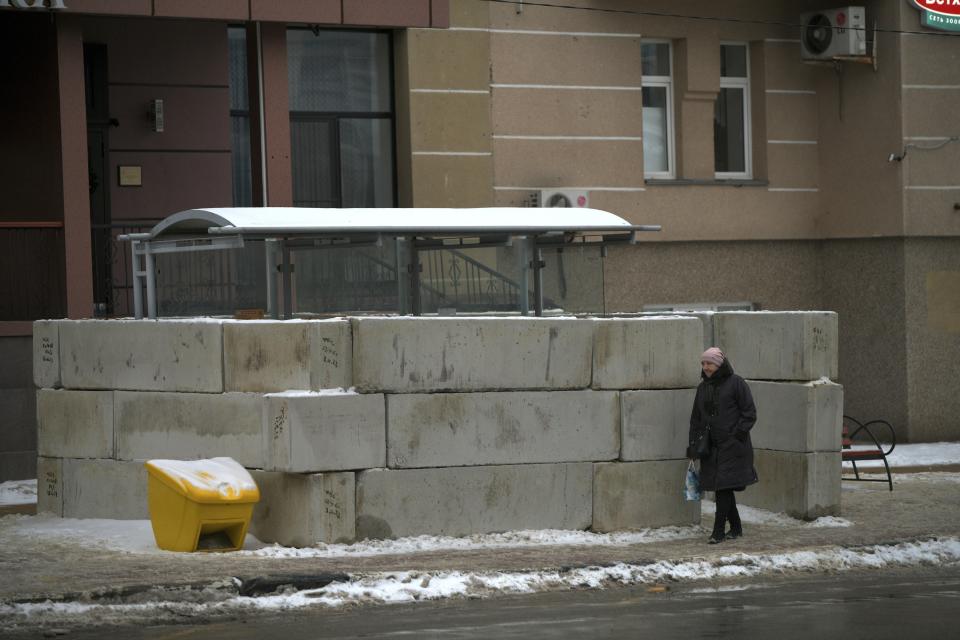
(563, 198)
(833, 32)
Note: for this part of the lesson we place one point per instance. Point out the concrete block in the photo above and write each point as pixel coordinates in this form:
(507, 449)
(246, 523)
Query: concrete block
(75, 424)
(465, 500)
(705, 317)
(410, 355)
(46, 353)
(142, 355)
(802, 485)
(794, 345)
(636, 495)
(524, 427)
(655, 425)
(647, 353)
(800, 417)
(307, 432)
(189, 426)
(281, 355)
(110, 489)
(50, 486)
(302, 510)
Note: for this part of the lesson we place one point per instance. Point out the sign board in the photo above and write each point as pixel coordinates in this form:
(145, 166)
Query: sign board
(130, 176)
(33, 4)
(939, 14)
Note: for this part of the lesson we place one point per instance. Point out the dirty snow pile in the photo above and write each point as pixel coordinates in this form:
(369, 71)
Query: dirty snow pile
(14, 492)
(410, 586)
(921, 454)
(413, 586)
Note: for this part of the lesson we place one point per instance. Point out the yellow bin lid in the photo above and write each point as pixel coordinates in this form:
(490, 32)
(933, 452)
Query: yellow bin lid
(211, 480)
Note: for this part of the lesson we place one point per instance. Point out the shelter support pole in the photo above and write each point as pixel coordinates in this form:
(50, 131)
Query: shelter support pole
(524, 277)
(151, 275)
(537, 265)
(287, 274)
(270, 253)
(413, 268)
(403, 282)
(136, 279)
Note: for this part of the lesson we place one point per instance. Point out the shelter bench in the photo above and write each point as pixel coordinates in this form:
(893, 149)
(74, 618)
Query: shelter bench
(854, 429)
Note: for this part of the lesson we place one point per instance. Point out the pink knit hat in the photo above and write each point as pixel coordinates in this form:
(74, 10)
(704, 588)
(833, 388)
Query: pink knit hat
(713, 355)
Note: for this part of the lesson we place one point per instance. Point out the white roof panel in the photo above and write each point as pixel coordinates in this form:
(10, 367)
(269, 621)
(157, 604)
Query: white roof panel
(299, 220)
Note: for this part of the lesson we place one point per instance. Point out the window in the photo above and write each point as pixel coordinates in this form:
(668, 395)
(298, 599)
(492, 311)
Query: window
(341, 118)
(657, 69)
(731, 115)
(239, 118)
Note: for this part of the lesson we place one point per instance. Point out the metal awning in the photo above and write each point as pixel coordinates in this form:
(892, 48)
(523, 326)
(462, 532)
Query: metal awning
(287, 228)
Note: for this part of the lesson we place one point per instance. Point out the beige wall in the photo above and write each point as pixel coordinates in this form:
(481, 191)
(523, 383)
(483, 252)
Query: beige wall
(863, 281)
(443, 109)
(553, 100)
(930, 70)
(773, 275)
(932, 285)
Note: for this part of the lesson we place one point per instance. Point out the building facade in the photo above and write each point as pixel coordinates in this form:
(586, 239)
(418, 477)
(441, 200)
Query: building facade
(781, 181)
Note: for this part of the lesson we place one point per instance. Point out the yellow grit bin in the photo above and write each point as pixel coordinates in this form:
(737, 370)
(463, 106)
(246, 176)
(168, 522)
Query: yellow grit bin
(200, 505)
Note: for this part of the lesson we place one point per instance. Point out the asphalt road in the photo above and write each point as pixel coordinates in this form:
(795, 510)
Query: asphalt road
(911, 603)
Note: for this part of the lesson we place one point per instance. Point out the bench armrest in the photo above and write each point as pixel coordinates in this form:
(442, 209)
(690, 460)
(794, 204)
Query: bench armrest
(870, 429)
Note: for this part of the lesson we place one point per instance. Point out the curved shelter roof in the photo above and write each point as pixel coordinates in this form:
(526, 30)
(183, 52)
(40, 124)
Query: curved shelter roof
(294, 228)
(293, 221)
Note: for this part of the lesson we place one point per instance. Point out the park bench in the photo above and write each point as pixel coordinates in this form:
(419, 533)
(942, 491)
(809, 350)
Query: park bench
(855, 432)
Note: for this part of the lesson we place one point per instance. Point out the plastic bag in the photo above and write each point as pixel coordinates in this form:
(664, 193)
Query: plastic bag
(691, 487)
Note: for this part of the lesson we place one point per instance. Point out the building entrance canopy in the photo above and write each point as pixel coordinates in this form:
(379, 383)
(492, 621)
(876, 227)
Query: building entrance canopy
(414, 230)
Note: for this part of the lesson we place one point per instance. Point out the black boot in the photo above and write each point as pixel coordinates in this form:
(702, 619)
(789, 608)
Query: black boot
(736, 527)
(724, 500)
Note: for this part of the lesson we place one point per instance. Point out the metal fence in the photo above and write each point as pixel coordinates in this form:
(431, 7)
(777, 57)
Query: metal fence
(327, 281)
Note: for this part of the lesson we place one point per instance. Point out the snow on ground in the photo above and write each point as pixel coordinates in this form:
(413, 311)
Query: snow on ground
(136, 536)
(16, 492)
(413, 586)
(922, 454)
(221, 598)
(752, 515)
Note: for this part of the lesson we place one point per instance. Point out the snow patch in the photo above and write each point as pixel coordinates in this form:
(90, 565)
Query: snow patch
(14, 492)
(414, 586)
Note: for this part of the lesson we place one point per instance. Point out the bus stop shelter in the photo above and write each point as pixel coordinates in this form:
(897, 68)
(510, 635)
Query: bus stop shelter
(286, 229)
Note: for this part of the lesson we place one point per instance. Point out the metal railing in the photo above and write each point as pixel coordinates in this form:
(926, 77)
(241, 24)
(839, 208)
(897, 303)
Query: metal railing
(342, 280)
(327, 281)
(112, 288)
(33, 283)
(453, 279)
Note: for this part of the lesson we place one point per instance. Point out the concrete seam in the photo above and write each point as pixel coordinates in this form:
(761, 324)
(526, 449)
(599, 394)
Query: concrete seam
(386, 431)
(113, 423)
(223, 358)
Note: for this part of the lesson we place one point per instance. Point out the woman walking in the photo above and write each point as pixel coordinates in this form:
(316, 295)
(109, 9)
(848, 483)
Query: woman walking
(723, 412)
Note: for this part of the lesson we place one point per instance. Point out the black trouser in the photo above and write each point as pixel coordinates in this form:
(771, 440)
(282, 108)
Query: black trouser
(726, 512)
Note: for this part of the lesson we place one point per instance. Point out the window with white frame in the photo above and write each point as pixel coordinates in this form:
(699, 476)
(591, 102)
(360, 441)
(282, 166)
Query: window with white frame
(657, 68)
(731, 115)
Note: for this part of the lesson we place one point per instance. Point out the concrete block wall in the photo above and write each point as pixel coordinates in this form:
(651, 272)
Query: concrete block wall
(453, 425)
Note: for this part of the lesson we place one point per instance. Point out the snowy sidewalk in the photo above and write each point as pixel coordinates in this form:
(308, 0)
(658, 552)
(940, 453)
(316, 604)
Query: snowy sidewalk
(68, 572)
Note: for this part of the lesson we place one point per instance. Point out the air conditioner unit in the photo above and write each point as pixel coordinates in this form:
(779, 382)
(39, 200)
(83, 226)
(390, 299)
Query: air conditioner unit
(563, 198)
(833, 32)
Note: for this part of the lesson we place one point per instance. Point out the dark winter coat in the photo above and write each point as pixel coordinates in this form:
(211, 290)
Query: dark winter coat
(724, 402)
